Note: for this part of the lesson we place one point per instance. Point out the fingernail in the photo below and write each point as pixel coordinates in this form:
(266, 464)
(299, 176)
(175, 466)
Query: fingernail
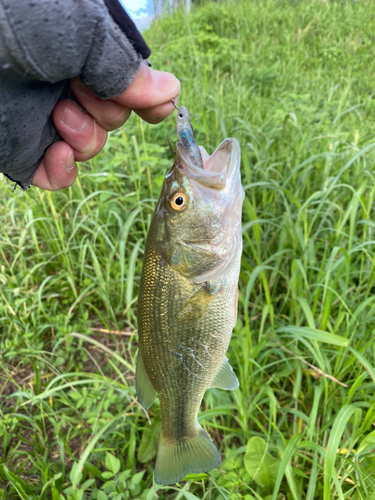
(165, 82)
(74, 117)
(69, 162)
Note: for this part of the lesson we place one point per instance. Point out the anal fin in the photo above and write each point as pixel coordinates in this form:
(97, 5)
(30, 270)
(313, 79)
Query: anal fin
(145, 390)
(225, 377)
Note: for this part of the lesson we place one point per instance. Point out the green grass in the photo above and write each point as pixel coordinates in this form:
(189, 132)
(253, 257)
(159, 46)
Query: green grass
(294, 83)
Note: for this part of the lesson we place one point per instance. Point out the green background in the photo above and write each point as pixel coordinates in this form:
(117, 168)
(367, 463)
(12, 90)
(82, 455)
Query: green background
(294, 83)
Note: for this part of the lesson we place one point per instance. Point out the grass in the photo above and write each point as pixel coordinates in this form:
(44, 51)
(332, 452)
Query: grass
(294, 83)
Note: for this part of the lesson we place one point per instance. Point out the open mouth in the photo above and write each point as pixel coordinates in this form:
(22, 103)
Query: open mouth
(217, 168)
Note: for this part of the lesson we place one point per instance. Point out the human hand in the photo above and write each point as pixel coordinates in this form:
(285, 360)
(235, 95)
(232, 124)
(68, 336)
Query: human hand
(85, 133)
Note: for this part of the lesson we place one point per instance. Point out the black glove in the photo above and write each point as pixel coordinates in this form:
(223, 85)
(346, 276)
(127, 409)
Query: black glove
(45, 43)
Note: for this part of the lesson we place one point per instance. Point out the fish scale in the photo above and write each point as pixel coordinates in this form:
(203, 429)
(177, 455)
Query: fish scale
(187, 303)
(160, 340)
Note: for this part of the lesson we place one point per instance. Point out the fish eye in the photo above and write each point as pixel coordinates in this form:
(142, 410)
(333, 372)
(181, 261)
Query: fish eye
(179, 201)
(180, 115)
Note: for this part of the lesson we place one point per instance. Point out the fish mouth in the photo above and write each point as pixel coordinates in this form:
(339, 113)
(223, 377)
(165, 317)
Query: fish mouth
(219, 184)
(219, 169)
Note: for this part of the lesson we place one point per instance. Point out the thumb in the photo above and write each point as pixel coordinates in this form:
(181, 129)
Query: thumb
(149, 88)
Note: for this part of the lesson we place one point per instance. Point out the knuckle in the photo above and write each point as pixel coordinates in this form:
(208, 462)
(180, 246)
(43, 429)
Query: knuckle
(114, 118)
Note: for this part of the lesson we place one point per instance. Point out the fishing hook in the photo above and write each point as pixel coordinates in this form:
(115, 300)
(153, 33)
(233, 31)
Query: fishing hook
(175, 105)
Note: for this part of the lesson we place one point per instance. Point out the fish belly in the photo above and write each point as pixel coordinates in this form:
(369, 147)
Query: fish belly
(184, 334)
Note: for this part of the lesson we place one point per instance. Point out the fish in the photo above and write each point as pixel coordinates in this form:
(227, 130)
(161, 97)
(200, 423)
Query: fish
(188, 295)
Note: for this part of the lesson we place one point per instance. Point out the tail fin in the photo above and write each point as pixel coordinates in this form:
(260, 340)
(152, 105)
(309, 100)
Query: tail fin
(175, 459)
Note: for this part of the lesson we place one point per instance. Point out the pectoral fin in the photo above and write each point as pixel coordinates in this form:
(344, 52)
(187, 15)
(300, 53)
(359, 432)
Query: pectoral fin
(145, 390)
(225, 377)
(195, 307)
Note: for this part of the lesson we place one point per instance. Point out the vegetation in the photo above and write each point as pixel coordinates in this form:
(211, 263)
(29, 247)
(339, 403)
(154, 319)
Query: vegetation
(294, 83)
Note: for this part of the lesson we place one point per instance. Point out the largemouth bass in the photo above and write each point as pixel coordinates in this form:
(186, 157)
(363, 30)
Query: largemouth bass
(187, 305)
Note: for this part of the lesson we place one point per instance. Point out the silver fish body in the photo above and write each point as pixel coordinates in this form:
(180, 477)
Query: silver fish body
(188, 302)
